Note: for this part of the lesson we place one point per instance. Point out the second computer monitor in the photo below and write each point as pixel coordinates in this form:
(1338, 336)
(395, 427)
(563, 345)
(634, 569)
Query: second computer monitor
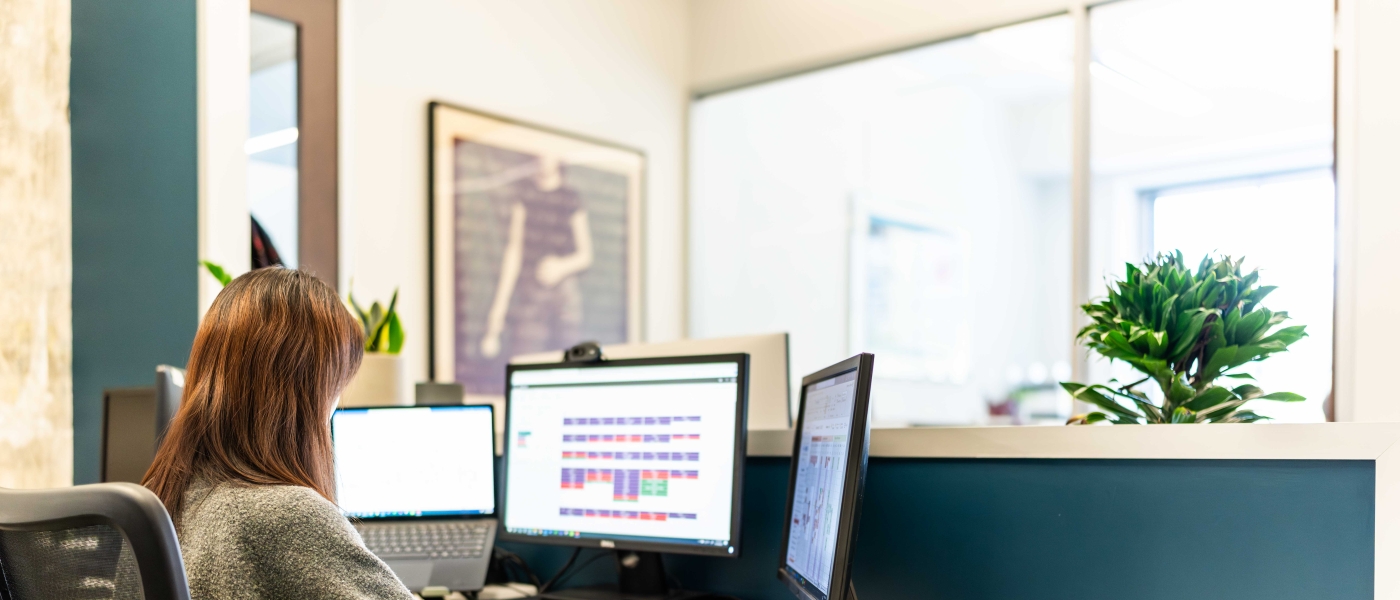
(641, 454)
(830, 451)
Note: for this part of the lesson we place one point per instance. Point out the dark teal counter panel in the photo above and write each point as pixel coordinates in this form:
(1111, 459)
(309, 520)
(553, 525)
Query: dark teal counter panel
(1072, 530)
(135, 199)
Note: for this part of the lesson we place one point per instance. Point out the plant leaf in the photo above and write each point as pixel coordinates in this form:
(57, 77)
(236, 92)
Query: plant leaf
(218, 272)
(1283, 397)
(1248, 392)
(1210, 397)
(1087, 393)
(1087, 419)
(395, 333)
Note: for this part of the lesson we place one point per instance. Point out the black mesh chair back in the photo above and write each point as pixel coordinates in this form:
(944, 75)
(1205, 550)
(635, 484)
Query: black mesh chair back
(108, 541)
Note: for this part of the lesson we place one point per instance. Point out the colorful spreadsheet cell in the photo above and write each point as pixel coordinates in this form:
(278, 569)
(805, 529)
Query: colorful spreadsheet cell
(585, 421)
(639, 515)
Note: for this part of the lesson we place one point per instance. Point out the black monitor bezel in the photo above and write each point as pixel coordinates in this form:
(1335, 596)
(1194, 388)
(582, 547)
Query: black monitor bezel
(857, 459)
(495, 493)
(740, 452)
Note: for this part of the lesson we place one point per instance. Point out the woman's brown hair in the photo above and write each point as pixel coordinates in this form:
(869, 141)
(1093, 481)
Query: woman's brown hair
(270, 358)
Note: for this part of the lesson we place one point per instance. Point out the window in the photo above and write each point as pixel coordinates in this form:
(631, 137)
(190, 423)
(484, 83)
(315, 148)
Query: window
(1286, 224)
(919, 204)
(1221, 144)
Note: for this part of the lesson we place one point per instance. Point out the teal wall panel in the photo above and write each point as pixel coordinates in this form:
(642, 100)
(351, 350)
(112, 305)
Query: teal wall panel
(1070, 529)
(135, 187)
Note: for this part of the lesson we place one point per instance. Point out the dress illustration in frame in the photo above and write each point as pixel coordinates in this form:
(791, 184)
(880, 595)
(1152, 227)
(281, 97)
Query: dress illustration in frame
(535, 244)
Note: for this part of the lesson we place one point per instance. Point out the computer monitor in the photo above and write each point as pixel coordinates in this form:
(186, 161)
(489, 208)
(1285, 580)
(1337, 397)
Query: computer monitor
(769, 387)
(170, 388)
(134, 421)
(829, 455)
(639, 455)
(414, 461)
(128, 433)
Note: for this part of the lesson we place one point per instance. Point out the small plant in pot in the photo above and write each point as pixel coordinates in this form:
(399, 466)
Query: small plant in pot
(1186, 331)
(382, 378)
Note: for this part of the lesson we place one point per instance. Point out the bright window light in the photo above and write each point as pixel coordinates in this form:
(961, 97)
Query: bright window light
(268, 141)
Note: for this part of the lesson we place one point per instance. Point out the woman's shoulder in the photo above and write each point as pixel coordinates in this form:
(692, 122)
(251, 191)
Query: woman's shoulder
(285, 509)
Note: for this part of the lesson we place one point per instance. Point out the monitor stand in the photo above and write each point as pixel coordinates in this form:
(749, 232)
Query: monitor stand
(640, 576)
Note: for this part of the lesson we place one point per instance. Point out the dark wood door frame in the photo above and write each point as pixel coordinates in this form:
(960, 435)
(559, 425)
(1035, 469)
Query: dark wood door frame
(318, 146)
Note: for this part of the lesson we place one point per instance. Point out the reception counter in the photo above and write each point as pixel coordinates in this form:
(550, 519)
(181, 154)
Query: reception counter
(1264, 511)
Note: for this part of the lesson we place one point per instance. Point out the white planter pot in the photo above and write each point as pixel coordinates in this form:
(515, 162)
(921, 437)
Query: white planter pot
(381, 381)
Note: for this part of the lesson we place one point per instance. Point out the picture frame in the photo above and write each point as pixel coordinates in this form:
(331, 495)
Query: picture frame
(534, 244)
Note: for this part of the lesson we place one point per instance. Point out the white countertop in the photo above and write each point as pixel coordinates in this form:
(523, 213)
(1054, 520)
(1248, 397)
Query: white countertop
(1268, 441)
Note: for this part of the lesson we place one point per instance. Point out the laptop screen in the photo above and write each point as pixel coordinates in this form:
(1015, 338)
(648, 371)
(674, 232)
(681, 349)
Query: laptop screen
(414, 461)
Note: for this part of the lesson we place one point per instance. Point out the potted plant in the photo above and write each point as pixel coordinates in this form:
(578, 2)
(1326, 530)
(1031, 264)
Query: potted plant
(382, 379)
(1183, 330)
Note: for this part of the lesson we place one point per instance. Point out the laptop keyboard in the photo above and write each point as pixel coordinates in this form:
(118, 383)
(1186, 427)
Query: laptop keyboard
(406, 541)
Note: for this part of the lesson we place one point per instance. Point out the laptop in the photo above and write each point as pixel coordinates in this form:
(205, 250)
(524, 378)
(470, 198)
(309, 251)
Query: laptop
(419, 482)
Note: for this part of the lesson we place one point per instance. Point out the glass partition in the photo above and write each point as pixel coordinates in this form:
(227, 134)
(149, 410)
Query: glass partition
(915, 205)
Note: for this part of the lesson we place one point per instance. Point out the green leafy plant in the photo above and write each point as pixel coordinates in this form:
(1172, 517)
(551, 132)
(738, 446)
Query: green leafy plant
(217, 271)
(1183, 330)
(383, 332)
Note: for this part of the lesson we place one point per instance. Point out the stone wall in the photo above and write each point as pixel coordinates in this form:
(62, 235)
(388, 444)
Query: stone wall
(36, 383)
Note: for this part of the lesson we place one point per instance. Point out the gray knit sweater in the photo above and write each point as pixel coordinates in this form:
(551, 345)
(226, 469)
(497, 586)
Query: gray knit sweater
(275, 542)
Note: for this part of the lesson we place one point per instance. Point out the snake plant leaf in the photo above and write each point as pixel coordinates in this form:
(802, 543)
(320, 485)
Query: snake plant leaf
(380, 318)
(382, 328)
(359, 312)
(395, 333)
(218, 272)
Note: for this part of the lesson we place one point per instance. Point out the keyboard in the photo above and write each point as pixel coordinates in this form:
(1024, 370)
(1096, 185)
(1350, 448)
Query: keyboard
(426, 541)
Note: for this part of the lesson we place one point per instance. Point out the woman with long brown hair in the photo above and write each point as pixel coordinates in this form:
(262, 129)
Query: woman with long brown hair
(246, 468)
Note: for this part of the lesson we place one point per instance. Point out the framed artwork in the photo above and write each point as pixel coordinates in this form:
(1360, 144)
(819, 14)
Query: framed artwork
(535, 244)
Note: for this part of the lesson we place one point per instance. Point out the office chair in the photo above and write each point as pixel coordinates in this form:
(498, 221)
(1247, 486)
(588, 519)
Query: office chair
(106, 541)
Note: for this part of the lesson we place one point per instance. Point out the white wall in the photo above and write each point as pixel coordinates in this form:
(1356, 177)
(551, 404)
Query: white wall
(737, 41)
(224, 226)
(611, 69)
(1368, 213)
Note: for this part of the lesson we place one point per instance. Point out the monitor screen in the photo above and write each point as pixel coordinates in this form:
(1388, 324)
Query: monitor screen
(820, 487)
(414, 461)
(622, 454)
